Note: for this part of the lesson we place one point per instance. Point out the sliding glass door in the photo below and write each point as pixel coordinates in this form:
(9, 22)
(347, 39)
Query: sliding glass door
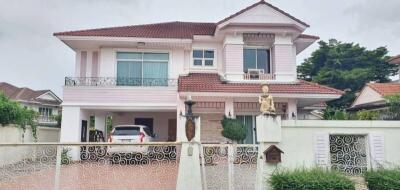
(142, 69)
(250, 124)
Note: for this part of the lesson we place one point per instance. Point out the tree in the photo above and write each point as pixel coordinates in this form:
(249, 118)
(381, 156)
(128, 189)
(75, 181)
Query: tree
(346, 66)
(13, 113)
(393, 102)
(233, 129)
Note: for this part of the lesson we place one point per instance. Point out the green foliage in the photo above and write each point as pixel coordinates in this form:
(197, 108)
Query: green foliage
(383, 179)
(109, 124)
(233, 129)
(367, 115)
(312, 179)
(58, 118)
(335, 114)
(346, 66)
(13, 113)
(394, 106)
(65, 157)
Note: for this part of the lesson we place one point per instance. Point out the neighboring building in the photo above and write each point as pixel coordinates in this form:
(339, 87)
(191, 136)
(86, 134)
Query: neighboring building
(45, 102)
(395, 60)
(372, 96)
(143, 73)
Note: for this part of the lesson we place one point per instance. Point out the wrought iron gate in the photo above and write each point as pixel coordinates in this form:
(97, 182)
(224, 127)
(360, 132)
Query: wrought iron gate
(229, 166)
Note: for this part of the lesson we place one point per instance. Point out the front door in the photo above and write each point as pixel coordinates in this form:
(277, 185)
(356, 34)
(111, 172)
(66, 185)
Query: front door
(172, 130)
(84, 131)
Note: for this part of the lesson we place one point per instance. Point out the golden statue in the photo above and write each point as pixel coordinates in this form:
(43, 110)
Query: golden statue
(266, 101)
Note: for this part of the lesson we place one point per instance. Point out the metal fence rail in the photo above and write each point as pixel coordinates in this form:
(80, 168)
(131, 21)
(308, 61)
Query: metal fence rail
(89, 166)
(119, 81)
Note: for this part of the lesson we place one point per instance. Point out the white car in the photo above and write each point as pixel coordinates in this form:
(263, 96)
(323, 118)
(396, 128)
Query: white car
(130, 134)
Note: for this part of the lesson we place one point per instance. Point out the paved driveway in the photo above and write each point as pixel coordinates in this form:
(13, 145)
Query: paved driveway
(98, 176)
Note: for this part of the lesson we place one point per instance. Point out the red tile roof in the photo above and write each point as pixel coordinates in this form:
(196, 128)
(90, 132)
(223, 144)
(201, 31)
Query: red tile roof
(22, 94)
(205, 82)
(394, 59)
(184, 30)
(180, 30)
(385, 89)
(260, 3)
(309, 36)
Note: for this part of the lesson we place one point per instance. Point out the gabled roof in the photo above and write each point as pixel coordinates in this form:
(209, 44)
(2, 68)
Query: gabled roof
(178, 30)
(261, 2)
(25, 94)
(182, 30)
(207, 82)
(394, 59)
(385, 89)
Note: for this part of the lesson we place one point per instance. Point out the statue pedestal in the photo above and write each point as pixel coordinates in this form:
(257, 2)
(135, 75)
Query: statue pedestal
(189, 173)
(269, 133)
(268, 128)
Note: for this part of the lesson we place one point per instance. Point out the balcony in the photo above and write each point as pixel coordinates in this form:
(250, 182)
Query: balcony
(258, 76)
(119, 81)
(46, 120)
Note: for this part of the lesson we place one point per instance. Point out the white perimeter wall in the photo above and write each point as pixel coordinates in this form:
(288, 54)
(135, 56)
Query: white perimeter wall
(13, 134)
(298, 138)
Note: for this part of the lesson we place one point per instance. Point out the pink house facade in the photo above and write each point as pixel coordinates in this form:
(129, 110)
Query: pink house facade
(142, 74)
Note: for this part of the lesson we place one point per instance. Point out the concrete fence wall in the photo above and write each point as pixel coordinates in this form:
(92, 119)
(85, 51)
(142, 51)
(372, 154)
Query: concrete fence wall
(306, 142)
(14, 134)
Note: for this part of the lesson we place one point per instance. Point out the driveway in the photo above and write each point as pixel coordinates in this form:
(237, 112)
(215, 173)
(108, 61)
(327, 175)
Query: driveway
(99, 176)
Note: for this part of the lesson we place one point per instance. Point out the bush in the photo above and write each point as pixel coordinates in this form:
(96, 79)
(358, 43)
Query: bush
(335, 114)
(12, 112)
(303, 179)
(233, 129)
(367, 115)
(383, 179)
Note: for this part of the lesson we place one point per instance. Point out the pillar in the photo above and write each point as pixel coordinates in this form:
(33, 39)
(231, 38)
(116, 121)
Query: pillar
(292, 109)
(229, 108)
(180, 121)
(71, 122)
(269, 132)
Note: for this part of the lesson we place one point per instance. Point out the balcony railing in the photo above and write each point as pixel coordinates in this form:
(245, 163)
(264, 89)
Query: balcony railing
(250, 76)
(44, 119)
(118, 81)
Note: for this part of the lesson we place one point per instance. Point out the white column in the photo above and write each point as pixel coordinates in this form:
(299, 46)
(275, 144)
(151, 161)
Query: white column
(71, 128)
(229, 108)
(71, 124)
(292, 108)
(180, 121)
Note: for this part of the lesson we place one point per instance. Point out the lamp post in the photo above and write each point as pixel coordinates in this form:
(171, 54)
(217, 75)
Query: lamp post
(190, 127)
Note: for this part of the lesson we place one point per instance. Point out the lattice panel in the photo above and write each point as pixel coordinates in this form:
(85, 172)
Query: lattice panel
(348, 153)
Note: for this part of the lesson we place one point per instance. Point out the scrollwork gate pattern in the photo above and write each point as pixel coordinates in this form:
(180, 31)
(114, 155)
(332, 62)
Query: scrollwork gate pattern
(226, 166)
(105, 166)
(348, 153)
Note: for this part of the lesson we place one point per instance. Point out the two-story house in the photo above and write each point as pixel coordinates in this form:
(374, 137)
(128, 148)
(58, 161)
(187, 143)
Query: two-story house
(142, 74)
(45, 102)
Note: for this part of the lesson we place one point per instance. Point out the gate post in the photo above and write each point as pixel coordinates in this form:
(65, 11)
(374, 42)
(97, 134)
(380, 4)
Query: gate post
(268, 133)
(189, 173)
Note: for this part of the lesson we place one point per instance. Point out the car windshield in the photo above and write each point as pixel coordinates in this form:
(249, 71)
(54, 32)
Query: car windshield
(126, 131)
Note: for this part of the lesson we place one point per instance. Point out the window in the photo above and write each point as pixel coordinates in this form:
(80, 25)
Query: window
(256, 58)
(203, 58)
(142, 69)
(45, 111)
(249, 122)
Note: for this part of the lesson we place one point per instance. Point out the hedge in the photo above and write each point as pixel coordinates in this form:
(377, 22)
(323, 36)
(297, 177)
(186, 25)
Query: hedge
(384, 179)
(310, 179)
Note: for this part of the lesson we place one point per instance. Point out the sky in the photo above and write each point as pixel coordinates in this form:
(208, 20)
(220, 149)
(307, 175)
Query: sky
(30, 56)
